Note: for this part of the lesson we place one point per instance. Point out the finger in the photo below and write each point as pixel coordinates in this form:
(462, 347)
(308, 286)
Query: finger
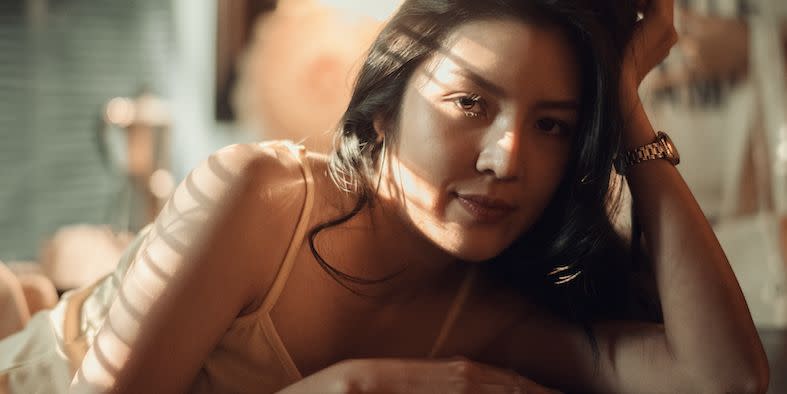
(492, 388)
(517, 382)
(483, 374)
(656, 35)
(662, 8)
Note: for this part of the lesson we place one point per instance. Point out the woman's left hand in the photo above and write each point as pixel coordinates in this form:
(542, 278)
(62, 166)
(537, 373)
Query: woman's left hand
(653, 37)
(457, 375)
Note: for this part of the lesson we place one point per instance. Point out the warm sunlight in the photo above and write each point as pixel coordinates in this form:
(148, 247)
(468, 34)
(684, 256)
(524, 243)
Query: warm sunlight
(377, 9)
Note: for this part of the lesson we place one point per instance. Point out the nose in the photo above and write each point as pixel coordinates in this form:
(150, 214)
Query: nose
(499, 154)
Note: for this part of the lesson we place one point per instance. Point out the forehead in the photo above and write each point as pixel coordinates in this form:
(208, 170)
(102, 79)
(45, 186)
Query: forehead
(510, 55)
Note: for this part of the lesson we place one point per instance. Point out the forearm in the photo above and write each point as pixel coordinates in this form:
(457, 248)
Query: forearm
(708, 327)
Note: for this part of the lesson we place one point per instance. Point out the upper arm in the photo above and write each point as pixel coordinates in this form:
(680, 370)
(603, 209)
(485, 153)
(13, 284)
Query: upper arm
(633, 356)
(207, 257)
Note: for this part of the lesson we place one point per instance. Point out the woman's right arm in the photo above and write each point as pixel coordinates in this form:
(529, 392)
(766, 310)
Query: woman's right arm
(204, 263)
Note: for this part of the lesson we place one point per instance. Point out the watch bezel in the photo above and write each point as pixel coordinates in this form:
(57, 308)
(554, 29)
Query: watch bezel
(672, 152)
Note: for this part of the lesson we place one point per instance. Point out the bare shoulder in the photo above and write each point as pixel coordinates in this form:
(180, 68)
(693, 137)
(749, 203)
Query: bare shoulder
(212, 251)
(228, 169)
(242, 204)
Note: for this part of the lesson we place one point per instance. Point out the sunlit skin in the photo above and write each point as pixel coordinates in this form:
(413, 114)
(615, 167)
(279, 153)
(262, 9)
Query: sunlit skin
(501, 153)
(475, 121)
(489, 117)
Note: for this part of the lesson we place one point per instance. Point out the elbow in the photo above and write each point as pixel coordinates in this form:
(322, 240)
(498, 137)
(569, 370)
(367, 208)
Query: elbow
(757, 377)
(744, 373)
(750, 386)
(755, 381)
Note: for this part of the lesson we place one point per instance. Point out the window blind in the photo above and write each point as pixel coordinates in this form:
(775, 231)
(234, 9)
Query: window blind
(60, 61)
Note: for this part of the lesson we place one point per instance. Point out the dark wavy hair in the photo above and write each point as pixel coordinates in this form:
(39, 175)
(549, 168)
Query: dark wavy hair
(571, 261)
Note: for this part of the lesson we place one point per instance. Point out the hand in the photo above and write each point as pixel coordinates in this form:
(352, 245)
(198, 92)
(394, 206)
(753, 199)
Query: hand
(416, 376)
(653, 37)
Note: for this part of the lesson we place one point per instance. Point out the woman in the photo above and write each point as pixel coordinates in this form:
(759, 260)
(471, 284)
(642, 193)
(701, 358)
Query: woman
(463, 214)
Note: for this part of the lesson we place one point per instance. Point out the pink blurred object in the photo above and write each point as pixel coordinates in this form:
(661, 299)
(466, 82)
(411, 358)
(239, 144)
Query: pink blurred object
(14, 313)
(39, 291)
(79, 254)
(296, 75)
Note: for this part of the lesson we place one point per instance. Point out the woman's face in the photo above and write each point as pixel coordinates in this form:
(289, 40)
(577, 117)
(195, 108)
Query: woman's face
(484, 136)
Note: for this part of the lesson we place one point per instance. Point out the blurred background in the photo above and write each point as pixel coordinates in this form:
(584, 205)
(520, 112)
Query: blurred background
(105, 106)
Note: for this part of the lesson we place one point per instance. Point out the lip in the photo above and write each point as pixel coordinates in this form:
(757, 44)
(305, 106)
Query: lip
(484, 208)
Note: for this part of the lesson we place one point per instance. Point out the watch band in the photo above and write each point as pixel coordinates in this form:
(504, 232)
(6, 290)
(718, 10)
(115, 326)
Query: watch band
(661, 148)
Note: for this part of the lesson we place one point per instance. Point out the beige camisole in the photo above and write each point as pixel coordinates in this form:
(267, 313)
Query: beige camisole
(251, 356)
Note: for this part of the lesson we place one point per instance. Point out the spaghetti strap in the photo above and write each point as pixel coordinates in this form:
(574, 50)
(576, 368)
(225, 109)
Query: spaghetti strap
(453, 311)
(268, 327)
(298, 152)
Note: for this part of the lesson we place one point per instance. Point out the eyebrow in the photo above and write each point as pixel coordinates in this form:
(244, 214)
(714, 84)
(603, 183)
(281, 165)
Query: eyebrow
(480, 81)
(563, 105)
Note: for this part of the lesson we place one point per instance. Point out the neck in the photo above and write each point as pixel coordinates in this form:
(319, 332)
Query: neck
(389, 246)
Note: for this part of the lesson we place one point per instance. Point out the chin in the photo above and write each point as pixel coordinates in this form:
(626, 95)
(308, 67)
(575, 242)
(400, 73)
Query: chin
(470, 243)
(478, 252)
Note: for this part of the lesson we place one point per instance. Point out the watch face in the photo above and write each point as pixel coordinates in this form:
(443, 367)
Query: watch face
(671, 149)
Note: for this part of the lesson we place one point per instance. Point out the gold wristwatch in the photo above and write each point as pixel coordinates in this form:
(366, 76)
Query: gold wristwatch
(662, 148)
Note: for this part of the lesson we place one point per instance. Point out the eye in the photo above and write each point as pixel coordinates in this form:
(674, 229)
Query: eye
(553, 126)
(471, 105)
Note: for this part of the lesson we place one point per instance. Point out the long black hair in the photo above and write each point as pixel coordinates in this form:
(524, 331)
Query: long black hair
(571, 261)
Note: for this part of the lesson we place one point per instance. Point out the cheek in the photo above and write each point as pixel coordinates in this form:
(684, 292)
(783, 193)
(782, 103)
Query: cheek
(544, 170)
(549, 168)
(431, 147)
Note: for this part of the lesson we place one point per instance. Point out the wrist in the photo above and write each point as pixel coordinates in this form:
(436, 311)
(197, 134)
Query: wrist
(639, 141)
(628, 93)
(661, 148)
(637, 129)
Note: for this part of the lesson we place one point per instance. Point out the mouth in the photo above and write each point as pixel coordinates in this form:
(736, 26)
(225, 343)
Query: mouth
(484, 208)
